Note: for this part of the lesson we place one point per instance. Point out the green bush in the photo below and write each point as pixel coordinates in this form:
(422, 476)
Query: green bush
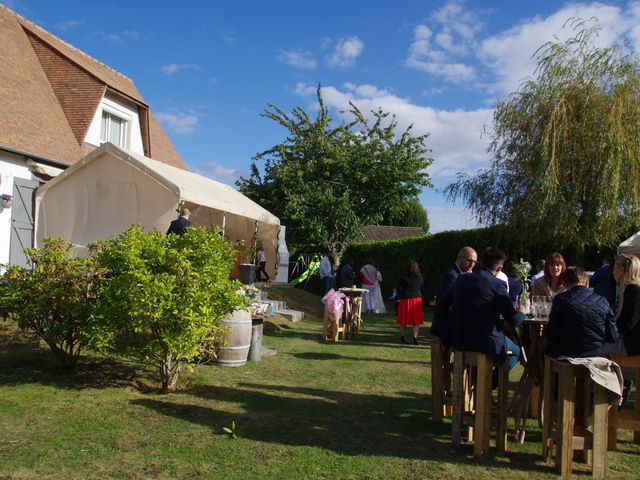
(165, 297)
(54, 299)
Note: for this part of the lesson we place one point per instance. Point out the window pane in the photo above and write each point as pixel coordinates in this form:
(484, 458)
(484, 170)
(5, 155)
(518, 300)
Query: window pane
(115, 130)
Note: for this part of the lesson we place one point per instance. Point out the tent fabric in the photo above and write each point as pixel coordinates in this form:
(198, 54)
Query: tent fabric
(631, 246)
(111, 188)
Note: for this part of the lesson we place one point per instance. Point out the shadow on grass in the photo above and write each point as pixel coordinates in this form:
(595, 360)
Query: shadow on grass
(24, 360)
(335, 356)
(370, 337)
(346, 423)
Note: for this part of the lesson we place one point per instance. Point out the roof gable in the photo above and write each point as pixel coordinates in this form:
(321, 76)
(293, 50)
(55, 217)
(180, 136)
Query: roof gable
(78, 92)
(49, 93)
(32, 119)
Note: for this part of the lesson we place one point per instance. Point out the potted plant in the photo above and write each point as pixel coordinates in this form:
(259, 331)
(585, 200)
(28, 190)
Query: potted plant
(6, 200)
(247, 270)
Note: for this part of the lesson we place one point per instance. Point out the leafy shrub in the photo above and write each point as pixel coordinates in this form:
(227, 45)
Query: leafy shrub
(54, 299)
(165, 297)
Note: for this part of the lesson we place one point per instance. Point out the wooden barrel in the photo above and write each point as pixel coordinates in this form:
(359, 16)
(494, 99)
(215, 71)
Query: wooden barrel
(236, 341)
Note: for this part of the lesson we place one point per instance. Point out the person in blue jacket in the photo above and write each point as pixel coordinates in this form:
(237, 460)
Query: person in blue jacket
(466, 260)
(580, 321)
(602, 280)
(480, 305)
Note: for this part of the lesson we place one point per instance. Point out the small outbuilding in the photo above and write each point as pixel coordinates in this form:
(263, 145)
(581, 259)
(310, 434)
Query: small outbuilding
(112, 188)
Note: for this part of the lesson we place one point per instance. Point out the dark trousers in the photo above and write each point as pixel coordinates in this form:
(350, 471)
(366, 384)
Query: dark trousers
(262, 269)
(325, 283)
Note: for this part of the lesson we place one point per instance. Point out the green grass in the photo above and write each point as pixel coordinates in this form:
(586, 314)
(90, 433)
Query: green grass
(350, 410)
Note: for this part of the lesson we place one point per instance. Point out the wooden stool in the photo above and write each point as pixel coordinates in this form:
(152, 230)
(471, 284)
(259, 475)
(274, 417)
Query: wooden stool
(561, 381)
(625, 419)
(332, 329)
(441, 372)
(474, 407)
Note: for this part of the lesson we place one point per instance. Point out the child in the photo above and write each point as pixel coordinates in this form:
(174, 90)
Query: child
(395, 298)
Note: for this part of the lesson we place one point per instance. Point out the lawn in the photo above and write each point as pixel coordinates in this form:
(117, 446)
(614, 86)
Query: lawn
(351, 410)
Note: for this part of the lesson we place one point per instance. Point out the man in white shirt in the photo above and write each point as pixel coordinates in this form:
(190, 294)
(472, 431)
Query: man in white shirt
(326, 273)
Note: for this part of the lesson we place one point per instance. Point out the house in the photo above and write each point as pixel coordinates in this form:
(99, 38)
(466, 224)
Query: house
(58, 104)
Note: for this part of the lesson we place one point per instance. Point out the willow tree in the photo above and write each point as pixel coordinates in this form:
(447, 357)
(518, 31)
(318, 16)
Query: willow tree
(566, 147)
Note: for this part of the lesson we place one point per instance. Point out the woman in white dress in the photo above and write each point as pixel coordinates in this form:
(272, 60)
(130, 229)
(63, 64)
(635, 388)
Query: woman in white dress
(378, 301)
(371, 278)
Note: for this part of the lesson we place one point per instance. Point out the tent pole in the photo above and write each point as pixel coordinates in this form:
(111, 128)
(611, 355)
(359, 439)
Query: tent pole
(224, 223)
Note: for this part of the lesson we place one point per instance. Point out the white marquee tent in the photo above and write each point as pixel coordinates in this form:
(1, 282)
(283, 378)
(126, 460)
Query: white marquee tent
(631, 245)
(111, 188)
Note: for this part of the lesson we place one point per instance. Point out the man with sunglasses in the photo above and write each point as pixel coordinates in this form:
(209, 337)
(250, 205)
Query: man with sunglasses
(467, 258)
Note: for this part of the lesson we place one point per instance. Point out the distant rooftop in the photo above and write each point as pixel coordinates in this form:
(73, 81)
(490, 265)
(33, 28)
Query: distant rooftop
(376, 233)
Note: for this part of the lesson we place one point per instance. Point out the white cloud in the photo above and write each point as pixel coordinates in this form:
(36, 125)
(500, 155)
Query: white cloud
(456, 20)
(173, 68)
(121, 36)
(217, 171)
(345, 53)
(177, 123)
(439, 49)
(455, 135)
(68, 24)
(299, 59)
(508, 54)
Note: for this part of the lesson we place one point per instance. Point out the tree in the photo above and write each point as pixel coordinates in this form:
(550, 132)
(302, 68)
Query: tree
(326, 180)
(54, 299)
(566, 148)
(410, 214)
(165, 297)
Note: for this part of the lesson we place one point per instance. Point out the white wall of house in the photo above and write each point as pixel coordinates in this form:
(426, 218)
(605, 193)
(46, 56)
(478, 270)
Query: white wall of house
(11, 167)
(124, 109)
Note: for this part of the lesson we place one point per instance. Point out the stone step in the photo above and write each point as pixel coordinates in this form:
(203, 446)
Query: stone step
(292, 315)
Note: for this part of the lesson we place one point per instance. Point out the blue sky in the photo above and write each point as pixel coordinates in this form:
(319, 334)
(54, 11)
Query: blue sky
(208, 69)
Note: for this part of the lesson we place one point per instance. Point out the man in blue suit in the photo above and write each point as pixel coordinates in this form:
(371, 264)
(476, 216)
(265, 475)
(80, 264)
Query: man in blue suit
(179, 224)
(480, 305)
(467, 258)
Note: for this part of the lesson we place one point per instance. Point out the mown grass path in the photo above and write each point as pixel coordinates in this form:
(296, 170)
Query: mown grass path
(351, 410)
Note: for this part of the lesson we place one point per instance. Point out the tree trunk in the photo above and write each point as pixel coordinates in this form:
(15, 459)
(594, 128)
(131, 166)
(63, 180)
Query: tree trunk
(169, 372)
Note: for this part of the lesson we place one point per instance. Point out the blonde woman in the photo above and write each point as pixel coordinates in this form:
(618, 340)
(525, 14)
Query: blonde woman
(626, 272)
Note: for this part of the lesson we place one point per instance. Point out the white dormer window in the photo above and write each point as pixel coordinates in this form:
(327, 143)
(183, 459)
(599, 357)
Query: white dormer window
(114, 128)
(117, 121)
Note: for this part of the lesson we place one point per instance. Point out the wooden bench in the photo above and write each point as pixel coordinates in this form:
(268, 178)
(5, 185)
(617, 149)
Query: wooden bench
(625, 419)
(441, 374)
(472, 405)
(569, 398)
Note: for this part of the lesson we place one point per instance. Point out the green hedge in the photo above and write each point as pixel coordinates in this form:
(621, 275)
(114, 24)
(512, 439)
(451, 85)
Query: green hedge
(435, 253)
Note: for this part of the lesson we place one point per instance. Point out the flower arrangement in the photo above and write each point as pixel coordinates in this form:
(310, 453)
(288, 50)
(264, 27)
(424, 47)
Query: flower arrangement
(523, 269)
(6, 200)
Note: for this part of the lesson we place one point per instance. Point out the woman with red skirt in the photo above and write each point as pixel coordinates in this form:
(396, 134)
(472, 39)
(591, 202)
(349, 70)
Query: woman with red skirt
(410, 308)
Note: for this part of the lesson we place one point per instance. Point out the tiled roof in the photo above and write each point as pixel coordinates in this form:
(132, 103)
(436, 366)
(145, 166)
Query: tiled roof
(375, 233)
(49, 93)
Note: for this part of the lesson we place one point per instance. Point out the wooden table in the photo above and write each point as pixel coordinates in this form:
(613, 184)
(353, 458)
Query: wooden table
(528, 390)
(354, 314)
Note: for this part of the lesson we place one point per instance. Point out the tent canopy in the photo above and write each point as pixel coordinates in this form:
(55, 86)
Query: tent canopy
(631, 245)
(112, 188)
